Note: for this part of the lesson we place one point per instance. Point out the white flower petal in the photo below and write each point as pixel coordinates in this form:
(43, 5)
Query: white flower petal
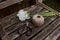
(23, 15)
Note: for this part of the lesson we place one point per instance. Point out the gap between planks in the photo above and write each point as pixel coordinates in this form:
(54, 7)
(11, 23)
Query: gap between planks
(54, 35)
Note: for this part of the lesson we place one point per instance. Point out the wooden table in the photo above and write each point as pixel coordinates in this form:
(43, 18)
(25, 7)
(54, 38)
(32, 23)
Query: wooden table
(10, 25)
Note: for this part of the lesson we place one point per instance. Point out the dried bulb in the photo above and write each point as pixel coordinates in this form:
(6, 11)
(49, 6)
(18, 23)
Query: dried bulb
(38, 20)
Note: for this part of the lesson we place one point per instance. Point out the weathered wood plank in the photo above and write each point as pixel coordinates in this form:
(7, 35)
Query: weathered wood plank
(13, 27)
(54, 35)
(9, 20)
(15, 32)
(1, 32)
(13, 35)
(8, 3)
(47, 30)
(36, 30)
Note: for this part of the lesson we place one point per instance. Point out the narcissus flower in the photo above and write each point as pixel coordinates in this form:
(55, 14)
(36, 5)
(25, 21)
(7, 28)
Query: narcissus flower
(23, 15)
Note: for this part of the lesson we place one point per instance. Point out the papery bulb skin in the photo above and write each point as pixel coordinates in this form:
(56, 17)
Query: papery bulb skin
(38, 20)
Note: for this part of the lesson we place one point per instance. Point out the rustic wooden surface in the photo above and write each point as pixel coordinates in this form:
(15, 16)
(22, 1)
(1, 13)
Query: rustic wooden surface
(14, 7)
(38, 29)
(10, 26)
(8, 3)
(54, 35)
(47, 31)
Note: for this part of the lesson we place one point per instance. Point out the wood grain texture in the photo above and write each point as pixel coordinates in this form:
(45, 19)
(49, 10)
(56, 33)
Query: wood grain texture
(9, 20)
(11, 25)
(48, 30)
(8, 3)
(36, 30)
(54, 35)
